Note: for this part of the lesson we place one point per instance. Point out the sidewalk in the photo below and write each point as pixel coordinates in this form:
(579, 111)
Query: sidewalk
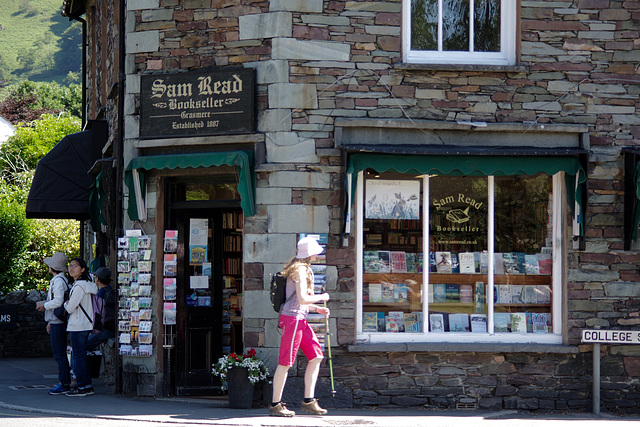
(24, 384)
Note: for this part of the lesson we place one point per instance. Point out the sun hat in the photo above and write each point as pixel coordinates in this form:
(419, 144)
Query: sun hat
(104, 274)
(308, 246)
(57, 262)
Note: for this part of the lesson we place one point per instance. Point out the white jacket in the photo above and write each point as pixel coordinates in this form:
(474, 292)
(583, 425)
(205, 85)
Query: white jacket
(55, 297)
(80, 294)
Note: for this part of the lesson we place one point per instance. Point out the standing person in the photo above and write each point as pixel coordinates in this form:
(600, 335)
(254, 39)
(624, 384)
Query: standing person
(56, 328)
(296, 332)
(80, 323)
(104, 324)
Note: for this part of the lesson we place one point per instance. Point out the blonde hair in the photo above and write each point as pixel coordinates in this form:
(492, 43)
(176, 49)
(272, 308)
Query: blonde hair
(292, 266)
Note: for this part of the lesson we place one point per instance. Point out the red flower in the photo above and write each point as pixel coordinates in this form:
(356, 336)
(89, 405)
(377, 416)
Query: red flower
(251, 353)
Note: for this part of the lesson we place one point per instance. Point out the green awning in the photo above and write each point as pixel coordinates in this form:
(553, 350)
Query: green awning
(242, 160)
(478, 165)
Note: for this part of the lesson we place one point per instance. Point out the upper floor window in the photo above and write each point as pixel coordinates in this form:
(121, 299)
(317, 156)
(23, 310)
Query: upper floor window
(474, 32)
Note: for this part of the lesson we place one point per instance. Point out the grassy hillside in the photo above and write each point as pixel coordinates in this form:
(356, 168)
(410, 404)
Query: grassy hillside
(37, 43)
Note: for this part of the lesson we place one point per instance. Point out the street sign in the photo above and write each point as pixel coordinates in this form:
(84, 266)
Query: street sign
(610, 337)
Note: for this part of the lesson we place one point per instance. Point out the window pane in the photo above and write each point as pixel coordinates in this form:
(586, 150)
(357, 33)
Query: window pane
(455, 25)
(424, 24)
(219, 191)
(487, 26)
(523, 234)
(458, 259)
(392, 285)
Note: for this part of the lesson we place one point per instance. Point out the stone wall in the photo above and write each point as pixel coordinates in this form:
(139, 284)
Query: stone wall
(29, 338)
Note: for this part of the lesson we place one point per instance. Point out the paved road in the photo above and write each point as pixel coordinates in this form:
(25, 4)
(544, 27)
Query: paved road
(24, 402)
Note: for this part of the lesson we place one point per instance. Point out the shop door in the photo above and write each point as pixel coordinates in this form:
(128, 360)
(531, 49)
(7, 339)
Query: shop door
(209, 269)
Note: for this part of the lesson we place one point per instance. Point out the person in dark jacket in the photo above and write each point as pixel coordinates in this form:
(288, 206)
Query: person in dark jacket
(105, 310)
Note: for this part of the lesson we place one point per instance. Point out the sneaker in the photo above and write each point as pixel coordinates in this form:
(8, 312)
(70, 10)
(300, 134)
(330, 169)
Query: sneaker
(81, 392)
(280, 410)
(59, 389)
(313, 408)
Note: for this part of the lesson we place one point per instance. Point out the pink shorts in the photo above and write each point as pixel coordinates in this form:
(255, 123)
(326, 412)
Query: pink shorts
(297, 334)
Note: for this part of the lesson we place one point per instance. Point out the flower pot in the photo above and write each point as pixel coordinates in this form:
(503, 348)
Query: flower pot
(240, 388)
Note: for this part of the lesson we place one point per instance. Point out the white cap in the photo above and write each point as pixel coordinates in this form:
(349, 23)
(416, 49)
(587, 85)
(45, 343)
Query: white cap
(308, 246)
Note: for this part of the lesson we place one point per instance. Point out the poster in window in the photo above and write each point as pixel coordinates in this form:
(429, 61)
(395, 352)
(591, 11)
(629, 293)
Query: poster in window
(392, 199)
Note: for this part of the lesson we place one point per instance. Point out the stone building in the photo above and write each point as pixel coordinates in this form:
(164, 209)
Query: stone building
(470, 166)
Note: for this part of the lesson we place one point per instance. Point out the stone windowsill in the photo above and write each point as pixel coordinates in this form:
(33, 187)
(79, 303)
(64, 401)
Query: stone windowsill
(462, 348)
(463, 67)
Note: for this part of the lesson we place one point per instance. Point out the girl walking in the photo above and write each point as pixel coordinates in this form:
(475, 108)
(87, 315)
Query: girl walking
(296, 332)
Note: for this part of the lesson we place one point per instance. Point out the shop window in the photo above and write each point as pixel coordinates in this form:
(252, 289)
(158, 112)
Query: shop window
(477, 32)
(455, 258)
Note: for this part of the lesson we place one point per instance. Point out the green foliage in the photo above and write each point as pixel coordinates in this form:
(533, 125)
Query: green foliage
(26, 242)
(49, 96)
(37, 42)
(30, 143)
(14, 235)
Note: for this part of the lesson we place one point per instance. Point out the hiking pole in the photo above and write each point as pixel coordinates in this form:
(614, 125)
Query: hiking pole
(328, 342)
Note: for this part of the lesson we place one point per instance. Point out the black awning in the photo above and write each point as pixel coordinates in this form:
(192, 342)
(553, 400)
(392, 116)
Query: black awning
(61, 185)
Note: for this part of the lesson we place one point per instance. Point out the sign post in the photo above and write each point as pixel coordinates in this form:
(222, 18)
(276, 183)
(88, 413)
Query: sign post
(597, 337)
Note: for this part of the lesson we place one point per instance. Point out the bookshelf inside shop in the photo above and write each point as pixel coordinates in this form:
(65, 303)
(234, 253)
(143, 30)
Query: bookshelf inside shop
(232, 225)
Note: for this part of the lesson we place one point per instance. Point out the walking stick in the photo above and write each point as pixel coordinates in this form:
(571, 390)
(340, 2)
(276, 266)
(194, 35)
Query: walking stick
(328, 342)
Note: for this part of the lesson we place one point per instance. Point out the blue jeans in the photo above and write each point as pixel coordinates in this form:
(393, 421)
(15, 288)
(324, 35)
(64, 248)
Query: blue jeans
(58, 337)
(96, 339)
(79, 355)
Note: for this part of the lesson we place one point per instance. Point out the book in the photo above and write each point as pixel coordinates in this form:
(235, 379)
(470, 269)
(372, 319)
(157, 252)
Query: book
(398, 262)
(382, 326)
(400, 293)
(399, 315)
(519, 323)
(544, 294)
(540, 322)
(375, 292)
(520, 259)
(517, 294)
(455, 264)
(413, 322)
(478, 322)
(371, 262)
(443, 262)
(501, 322)
(498, 264)
(529, 295)
(384, 258)
(531, 264)
(459, 322)
(433, 268)
(452, 292)
(436, 322)
(467, 262)
(484, 263)
(387, 292)
(504, 294)
(369, 321)
(439, 292)
(466, 294)
(411, 262)
(510, 263)
(479, 297)
(544, 263)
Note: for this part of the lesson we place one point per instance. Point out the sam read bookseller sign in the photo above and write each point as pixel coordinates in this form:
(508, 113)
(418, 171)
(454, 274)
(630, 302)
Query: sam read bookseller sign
(197, 103)
(610, 337)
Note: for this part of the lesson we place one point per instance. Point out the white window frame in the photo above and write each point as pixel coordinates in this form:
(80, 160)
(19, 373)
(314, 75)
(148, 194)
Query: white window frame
(506, 56)
(558, 271)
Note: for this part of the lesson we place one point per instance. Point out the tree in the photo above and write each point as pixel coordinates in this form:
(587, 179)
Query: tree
(28, 100)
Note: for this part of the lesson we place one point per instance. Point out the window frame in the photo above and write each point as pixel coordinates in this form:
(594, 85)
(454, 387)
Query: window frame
(555, 335)
(506, 56)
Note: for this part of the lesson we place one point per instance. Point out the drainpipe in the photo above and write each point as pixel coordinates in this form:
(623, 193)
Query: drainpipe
(118, 149)
(84, 104)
